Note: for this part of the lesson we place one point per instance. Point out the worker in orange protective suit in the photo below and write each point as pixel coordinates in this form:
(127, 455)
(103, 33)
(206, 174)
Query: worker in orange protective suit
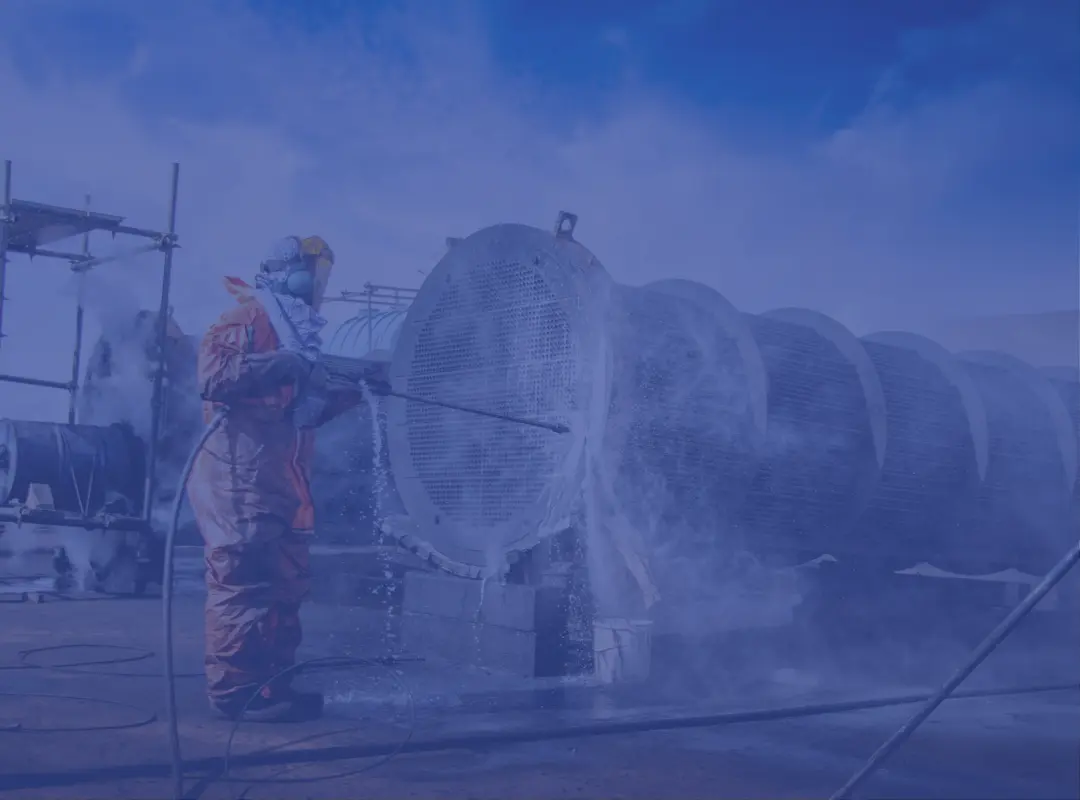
(250, 486)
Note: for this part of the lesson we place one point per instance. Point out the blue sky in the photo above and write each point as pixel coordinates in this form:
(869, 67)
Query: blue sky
(776, 62)
(889, 163)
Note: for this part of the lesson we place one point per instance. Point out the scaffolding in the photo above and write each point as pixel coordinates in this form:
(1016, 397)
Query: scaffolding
(383, 304)
(33, 229)
(376, 296)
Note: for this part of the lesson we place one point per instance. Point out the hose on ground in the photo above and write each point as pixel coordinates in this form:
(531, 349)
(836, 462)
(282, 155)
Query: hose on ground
(279, 756)
(175, 755)
(147, 718)
(978, 655)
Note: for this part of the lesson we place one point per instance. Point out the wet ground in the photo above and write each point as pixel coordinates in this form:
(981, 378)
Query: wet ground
(95, 730)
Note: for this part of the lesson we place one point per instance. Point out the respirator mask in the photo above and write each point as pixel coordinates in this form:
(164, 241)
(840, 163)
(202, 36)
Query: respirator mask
(287, 271)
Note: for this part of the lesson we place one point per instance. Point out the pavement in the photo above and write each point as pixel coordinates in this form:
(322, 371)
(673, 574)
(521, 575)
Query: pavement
(91, 730)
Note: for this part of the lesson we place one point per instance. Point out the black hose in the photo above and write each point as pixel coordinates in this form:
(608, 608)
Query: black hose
(83, 667)
(138, 654)
(18, 727)
(331, 662)
(978, 655)
(175, 755)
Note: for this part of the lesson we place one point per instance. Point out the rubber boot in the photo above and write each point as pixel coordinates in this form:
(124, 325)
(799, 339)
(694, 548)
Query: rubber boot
(273, 707)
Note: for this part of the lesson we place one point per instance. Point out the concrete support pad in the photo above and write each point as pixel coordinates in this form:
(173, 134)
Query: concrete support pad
(509, 628)
(464, 643)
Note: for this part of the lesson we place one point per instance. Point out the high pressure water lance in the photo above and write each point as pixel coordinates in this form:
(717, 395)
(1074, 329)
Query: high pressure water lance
(376, 387)
(554, 427)
(350, 372)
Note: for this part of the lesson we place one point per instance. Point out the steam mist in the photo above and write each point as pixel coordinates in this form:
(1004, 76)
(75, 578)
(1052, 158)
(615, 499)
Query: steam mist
(113, 310)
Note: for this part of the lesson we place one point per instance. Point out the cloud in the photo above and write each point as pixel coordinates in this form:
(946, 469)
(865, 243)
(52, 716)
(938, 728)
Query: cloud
(388, 131)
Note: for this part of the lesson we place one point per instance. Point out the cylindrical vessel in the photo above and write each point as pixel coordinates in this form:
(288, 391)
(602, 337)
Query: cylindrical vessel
(88, 468)
(779, 433)
(370, 334)
(684, 429)
(936, 442)
(823, 450)
(687, 416)
(1066, 382)
(1021, 514)
(509, 322)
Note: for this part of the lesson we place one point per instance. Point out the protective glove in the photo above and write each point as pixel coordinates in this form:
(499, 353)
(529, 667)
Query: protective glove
(376, 378)
(278, 368)
(378, 387)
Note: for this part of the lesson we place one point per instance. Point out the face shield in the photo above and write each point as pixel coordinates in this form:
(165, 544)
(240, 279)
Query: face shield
(298, 267)
(320, 260)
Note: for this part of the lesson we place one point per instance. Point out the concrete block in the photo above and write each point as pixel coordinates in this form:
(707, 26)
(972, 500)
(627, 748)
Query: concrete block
(444, 611)
(362, 577)
(40, 496)
(344, 588)
(459, 641)
(491, 603)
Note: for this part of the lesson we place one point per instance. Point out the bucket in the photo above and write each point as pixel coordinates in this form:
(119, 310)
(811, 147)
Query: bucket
(622, 650)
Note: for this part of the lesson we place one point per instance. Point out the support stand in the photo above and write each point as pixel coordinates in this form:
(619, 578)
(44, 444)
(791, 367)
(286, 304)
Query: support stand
(32, 229)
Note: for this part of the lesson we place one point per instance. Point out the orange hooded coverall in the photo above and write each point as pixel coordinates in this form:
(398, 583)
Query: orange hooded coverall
(251, 494)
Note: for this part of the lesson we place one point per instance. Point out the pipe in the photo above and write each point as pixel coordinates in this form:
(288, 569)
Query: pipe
(978, 655)
(62, 519)
(554, 427)
(5, 221)
(65, 385)
(485, 738)
(168, 244)
(342, 372)
(172, 719)
(84, 265)
(76, 358)
(40, 252)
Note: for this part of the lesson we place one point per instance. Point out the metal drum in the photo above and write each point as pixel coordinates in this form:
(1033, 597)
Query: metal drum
(89, 468)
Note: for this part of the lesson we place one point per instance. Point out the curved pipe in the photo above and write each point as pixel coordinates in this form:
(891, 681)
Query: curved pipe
(735, 325)
(348, 339)
(954, 371)
(342, 332)
(1064, 431)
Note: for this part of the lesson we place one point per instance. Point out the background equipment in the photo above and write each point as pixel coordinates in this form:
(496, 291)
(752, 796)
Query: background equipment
(79, 452)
